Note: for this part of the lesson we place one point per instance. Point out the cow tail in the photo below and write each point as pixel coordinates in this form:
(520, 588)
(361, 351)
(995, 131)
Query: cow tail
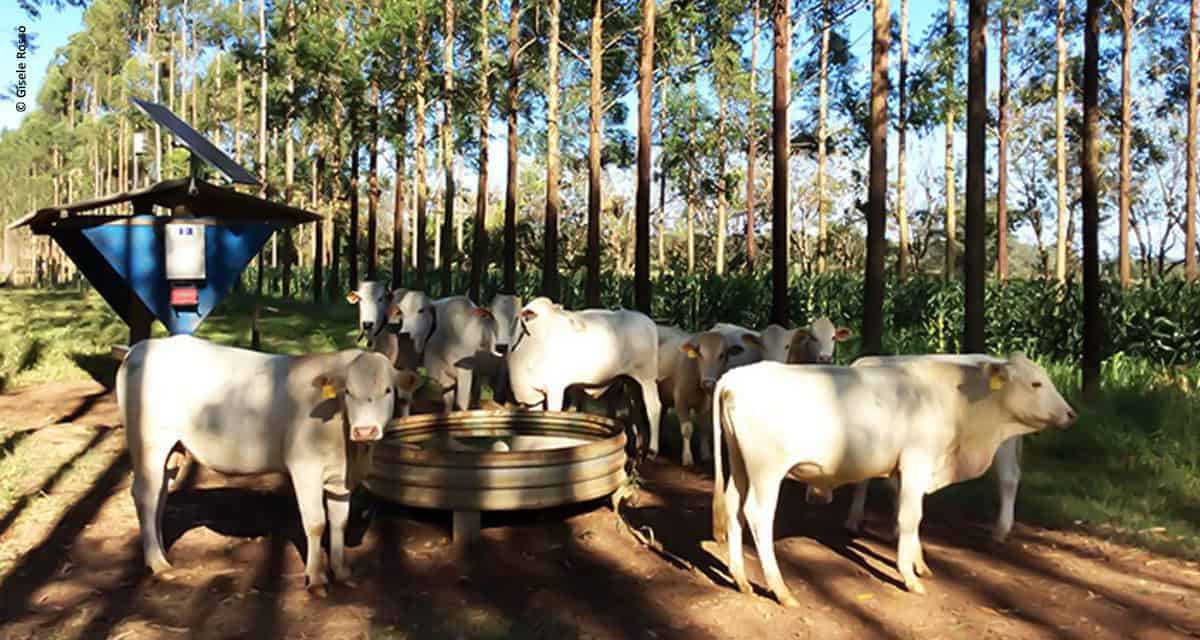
(719, 521)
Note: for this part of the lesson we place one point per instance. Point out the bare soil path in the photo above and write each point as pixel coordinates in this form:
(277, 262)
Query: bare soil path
(70, 562)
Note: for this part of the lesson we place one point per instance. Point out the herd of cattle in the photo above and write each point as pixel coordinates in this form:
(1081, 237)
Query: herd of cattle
(781, 408)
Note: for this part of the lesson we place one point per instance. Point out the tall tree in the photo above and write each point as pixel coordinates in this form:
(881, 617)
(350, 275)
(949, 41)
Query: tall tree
(421, 229)
(448, 153)
(1193, 70)
(902, 258)
(1092, 327)
(1127, 27)
(510, 188)
(1060, 139)
(592, 287)
(479, 242)
(352, 236)
(951, 183)
(1002, 152)
(976, 223)
(373, 190)
(262, 124)
(641, 271)
(693, 134)
(872, 330)
(550, 286)
(780, 220)
(751, 141)
(822, 81)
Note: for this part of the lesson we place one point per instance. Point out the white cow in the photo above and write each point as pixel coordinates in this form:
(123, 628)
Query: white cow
(933, 423)
(373, 299)
(1006, 463)
(460, 344)
(505, 307)
(696, 365)
(554, 348)
(814, 343)
(244, 412)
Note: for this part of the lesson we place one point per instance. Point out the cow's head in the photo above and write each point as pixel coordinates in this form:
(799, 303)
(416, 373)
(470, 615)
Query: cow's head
(1024, 390)
(777, 341)
(505, 308)
(711, 353)
(370, 390)
(372, 299)
(406, 311)
(815, 344)
(538, 313)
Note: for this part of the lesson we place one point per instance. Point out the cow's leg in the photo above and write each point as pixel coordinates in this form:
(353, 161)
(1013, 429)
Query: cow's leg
(338, 506)
(1007, 465)
(761, 501)
(735, 491)
(463, 378)
(149, 498)
(909, 559)
(554, 398)
(686, 428)
(706, 427)
(653, 409)
(855, 519)
(310, 497)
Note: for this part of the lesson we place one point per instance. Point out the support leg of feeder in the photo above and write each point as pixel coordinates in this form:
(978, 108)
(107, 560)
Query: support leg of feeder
(466, 527)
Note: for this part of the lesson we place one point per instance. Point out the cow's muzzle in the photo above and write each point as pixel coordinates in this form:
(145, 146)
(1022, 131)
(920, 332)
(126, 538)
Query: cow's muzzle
(824, 359)
(368, 433)
(501, 349)
(1067, 419)
(708, 384)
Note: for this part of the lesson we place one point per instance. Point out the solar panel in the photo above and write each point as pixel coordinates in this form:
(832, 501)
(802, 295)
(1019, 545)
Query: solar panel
(196, 142)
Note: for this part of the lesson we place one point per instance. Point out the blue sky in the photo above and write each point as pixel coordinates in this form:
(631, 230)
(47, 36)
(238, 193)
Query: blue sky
(51, 31)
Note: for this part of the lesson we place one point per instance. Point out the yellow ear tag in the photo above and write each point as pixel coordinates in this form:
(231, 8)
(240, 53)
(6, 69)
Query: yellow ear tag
(691, 353)
(328, 392)
(996, 383)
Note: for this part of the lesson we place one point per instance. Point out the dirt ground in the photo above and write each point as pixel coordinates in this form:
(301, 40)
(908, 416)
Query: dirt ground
(71, 566)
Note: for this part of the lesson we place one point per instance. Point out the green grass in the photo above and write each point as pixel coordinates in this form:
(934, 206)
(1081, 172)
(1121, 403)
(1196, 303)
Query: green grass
(1130, 465)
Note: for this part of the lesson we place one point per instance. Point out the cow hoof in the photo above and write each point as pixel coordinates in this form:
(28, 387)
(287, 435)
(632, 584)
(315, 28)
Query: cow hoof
(922, 569)
(318, 591)
(743, 585)
(788, 601)
(914, 586)
(853, 526)
(159, 567)
(999, 536)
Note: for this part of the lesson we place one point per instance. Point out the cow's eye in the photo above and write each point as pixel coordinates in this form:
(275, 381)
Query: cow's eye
(348, 394)
(1037, 385)
(387, 391)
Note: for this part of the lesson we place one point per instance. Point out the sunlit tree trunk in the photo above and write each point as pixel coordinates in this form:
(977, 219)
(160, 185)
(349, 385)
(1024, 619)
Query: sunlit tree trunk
(662, 180)
(238, 95)
(421, 229)
(262, 130)
(373, 183)
(550, 286)
(752, 141)
(902, 257)
(872, 329)
(722, 199)
(1123, 188)
(641, 277)
(1060, 141)
(951, 183)
(1002, 155)
(779, 178)
(592, 289)
(1189, 242)
(447, 139)
(823, 77)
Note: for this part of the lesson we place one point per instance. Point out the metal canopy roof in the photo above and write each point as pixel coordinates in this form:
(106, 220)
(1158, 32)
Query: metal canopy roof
(203, 199)
(195, 142)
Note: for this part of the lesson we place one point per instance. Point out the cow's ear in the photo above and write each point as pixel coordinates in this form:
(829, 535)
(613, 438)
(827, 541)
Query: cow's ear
(751, 340)
(690, 349)
(801, 334)
(528, 314)
(482, 312)
(998, 374)
(353, 297)
(842, 334)
(330, 384)
(393, 311)
(406, 381)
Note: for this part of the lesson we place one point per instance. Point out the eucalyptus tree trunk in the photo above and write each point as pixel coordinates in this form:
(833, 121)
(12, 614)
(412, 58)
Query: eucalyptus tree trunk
(752, 141)
(1189, 235)
(1002, 155)
(479, 242)
(872, 332)
(779, 177)
(662, 184)
(641, 271)
(976, 222)
(951, 183)
(1123, 188)
(902, 257)
(823, 75)
(421, 229)
(689, 197)
(550, 284)
(1093, 330)
(447, 138)
(592, 288)
(722, 199)
(1060, 141)
(510, 188)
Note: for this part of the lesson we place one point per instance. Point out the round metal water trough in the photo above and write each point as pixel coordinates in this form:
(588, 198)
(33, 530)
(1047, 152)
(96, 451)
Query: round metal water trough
(473, 461)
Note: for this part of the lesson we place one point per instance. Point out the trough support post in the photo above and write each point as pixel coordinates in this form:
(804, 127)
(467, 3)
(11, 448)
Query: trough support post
(139, 316)
(466, 527)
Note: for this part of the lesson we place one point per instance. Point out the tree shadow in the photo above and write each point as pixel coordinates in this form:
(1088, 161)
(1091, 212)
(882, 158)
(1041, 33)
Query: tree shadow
(102, 368)
(49, 483)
